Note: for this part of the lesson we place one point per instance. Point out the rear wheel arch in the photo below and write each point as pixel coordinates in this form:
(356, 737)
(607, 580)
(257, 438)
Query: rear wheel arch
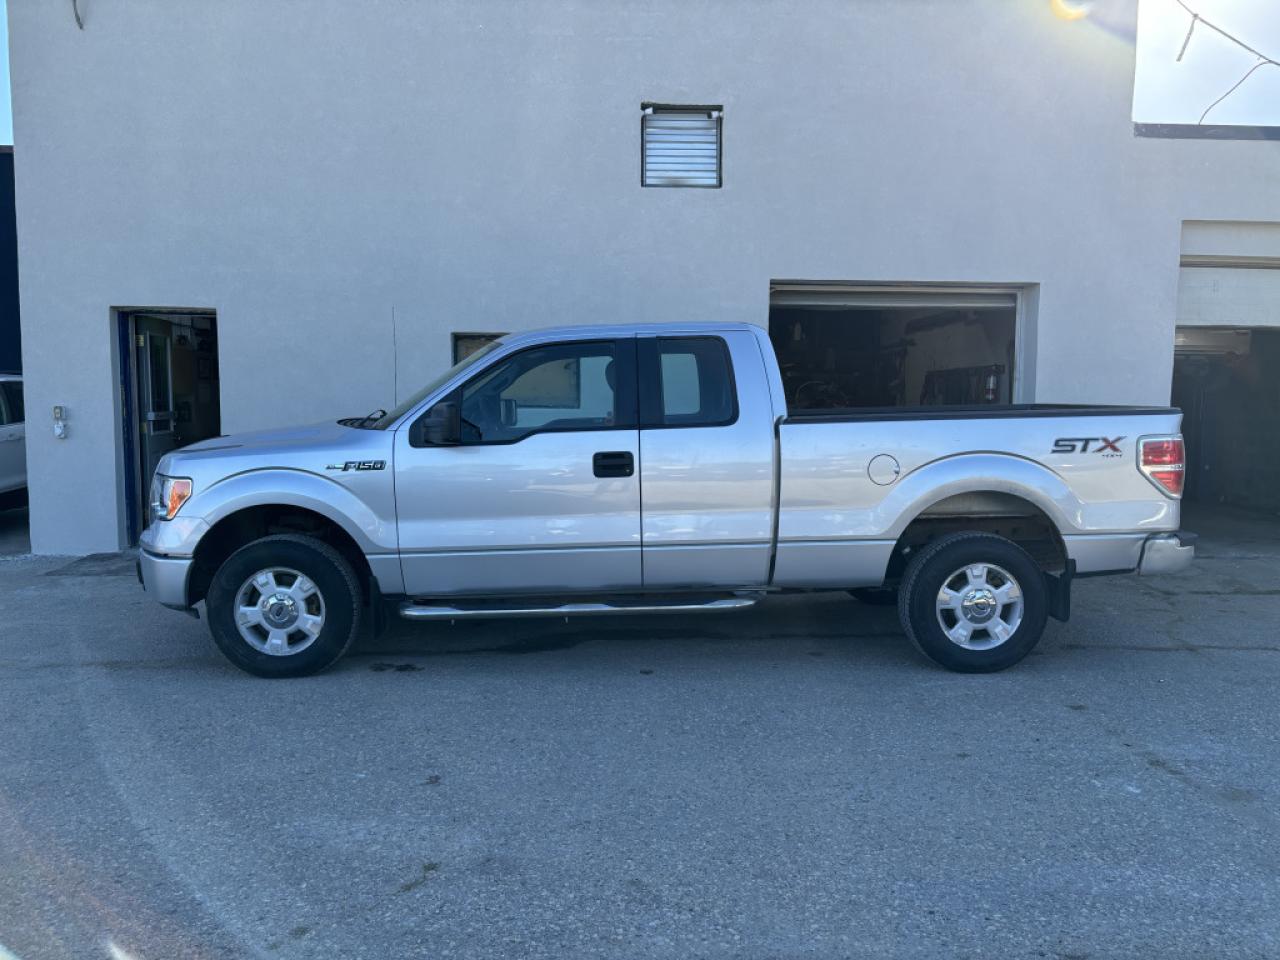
(1009, 515)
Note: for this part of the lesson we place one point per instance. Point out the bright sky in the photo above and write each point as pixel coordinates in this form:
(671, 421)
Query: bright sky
(1166, 91)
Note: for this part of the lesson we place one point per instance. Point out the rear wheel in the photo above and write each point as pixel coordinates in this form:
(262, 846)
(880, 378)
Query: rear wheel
(973, 602)
(284, 606)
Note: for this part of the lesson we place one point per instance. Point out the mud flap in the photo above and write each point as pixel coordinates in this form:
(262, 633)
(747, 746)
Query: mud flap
(1058, 589)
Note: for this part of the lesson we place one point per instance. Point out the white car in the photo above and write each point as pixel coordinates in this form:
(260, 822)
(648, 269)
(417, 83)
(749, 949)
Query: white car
(13, 445)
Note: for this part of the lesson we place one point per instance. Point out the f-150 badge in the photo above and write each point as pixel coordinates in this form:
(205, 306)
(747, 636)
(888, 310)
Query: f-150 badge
(358, 465)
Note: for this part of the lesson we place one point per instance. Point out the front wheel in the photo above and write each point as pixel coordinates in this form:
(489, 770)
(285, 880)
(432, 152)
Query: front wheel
(284, 606)
(973, 602)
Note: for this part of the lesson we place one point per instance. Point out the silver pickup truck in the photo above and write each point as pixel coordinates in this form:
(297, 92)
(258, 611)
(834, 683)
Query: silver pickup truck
(600, 470)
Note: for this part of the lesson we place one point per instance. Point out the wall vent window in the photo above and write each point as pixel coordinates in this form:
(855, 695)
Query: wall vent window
(680, 146)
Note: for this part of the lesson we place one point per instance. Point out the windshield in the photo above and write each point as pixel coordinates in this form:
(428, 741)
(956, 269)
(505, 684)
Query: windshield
(404, 406)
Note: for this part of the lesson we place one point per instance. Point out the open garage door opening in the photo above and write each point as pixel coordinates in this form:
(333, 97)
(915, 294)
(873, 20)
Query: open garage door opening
(1227, 383)
(842, 347)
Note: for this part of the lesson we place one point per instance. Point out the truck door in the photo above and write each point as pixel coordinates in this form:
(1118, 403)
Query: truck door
(706, 462)
(541, 492)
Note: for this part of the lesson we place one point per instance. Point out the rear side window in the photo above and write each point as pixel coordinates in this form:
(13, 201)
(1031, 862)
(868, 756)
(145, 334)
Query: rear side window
(690, 383)
(11, 411)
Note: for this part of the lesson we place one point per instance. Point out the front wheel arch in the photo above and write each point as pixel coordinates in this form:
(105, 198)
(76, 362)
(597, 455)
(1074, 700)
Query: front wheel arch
(245, 526)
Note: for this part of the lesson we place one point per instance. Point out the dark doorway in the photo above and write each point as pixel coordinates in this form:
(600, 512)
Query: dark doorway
(169, 391)
(870, 348)
(1227, 383)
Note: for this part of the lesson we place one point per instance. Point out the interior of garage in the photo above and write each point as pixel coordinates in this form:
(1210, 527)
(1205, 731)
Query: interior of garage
(851, 348)
(1227, 383)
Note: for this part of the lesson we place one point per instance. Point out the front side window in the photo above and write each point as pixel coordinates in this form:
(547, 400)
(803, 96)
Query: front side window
(563, 386)
(692, 385)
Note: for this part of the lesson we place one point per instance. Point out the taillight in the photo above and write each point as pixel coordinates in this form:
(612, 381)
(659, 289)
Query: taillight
(1163, 460)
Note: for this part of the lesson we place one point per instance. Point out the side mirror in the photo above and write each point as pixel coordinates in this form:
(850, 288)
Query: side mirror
(441, 426)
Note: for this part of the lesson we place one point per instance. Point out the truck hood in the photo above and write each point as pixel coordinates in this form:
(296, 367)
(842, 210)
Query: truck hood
(324, 434)
(320, 448)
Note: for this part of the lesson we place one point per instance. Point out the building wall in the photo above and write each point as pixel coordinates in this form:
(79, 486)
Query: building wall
(319, 171)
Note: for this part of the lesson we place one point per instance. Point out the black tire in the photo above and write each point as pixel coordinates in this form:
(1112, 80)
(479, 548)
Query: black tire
(338, 588)
(933, 568)
(876, 596)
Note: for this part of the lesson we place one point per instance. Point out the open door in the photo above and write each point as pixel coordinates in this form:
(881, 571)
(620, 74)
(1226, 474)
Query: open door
(155, 391)
(170, 394)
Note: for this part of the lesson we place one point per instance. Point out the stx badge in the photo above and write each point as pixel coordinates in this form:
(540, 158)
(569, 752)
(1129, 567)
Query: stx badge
(358, 465)
(1103, 445)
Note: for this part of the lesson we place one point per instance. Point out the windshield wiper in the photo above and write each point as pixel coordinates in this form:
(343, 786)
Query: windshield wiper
(362, 422)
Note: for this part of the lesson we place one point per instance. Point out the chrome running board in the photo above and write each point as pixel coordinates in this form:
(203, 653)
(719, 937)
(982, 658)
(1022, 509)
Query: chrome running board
(428, 610)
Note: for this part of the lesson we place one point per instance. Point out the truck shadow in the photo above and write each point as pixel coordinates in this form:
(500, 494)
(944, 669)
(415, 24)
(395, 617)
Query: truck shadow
(813, 625)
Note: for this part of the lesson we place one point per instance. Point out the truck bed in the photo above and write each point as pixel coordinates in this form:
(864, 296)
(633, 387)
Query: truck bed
(972, 412)
(850, 481)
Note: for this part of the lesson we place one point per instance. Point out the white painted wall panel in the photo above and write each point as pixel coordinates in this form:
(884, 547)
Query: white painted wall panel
(309, 170)
(1228, 297)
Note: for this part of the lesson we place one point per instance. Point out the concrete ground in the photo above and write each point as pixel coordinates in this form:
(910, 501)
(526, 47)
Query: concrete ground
(790, 782)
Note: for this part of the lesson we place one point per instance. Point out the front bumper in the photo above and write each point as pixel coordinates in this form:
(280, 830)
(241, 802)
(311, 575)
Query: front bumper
(1167, 553)
(165, 578)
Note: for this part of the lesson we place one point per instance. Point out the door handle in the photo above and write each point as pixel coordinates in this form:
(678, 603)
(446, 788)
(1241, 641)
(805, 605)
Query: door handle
(614, 463)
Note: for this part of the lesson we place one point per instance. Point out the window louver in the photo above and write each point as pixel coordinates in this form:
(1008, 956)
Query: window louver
(681, 146)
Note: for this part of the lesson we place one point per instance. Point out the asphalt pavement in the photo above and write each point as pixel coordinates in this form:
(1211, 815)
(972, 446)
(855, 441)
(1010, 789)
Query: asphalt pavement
(789, 782)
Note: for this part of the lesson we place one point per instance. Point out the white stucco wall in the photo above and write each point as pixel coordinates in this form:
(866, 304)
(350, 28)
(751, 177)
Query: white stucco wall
(307, 168)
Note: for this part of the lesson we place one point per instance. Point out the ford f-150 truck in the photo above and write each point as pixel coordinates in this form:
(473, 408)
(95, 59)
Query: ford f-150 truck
(606, 469)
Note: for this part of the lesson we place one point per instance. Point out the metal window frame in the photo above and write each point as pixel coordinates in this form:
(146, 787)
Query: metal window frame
(648, 108)
(1206, 131)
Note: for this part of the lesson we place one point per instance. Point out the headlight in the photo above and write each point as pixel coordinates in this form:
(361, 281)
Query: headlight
(168, 494)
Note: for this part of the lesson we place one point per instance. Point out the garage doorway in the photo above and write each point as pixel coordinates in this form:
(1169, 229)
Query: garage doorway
(1226, 381)
(848, 347)
(169, 394)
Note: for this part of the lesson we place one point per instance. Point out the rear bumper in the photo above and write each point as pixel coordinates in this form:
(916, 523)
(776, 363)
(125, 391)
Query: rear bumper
(1167, 553)
(165, 578)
